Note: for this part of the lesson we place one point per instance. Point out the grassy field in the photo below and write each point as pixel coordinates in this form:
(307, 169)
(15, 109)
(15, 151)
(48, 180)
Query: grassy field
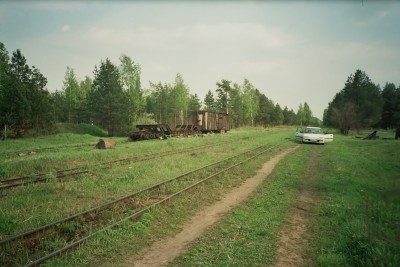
(356, 222)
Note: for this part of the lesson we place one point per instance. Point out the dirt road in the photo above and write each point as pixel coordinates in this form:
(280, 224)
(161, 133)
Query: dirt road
(164, 251)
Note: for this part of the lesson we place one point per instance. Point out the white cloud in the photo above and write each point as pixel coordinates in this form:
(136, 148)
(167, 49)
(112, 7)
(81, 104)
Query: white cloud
(56, 5)
(219, 35)
(288, 59)
(65, 28)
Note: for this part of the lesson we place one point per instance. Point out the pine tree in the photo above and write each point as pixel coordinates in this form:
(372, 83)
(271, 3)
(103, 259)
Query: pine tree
(109, 103)
(209, 102)
(223, 90)
(389, 106)
(130, 80)
(358, 105)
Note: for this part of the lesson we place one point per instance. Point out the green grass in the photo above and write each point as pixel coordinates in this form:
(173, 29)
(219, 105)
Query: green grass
(247, 236)
(359, 219)
(81, 128)
(163, 221)
(34, 205)
(356, 222)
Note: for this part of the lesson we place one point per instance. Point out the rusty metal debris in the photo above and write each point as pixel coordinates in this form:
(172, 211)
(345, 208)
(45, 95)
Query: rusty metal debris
(372, 136)
(203, 122)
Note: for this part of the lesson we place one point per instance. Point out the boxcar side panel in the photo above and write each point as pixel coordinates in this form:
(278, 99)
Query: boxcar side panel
(211, 121)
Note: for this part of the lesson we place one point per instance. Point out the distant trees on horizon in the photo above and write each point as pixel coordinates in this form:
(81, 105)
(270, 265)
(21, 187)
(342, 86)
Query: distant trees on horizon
(115, 100)
(362, 104)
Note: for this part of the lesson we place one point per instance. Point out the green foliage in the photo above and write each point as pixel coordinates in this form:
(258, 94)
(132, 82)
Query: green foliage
(277, 115)
(391, 106)
(145, 118)
(223, 90)
(358, 105)
(81, 128)
(71, 92)
(130, 80)
(179, 101)
(24, 101)
(305, 117)
(264, 113)
(194, 104)
(84, 128)
(171, 103)
(250, 102)
(109, 103)
(114, 99)
(209, 102)
(289, 117)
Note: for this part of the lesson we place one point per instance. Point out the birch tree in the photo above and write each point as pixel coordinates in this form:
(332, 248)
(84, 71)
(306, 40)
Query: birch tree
(130, 79)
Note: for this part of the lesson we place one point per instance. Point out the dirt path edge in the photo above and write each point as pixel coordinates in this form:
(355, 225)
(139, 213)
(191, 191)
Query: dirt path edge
(164, 251)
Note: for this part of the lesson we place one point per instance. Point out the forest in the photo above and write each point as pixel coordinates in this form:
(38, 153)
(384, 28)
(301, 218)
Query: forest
(115, 100)
(362, 104)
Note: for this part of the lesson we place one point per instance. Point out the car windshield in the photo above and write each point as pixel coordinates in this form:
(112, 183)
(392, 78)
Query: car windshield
(313, 130)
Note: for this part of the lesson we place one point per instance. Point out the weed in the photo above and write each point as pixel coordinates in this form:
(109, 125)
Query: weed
(8, 223)
(51, 176)
(247, 237)
(358, 222)
(72, 226)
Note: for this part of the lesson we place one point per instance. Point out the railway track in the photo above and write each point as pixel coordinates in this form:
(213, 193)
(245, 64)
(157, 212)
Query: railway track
(42, 177)
(11, 154)
(32, 248)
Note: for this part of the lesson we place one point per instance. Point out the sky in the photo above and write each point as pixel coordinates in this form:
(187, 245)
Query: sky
(291, 51)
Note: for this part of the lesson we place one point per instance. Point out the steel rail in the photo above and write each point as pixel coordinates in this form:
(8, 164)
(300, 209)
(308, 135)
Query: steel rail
(11, 182)
(138, 213)
(46, 148)
(37, 230)
(100, 207)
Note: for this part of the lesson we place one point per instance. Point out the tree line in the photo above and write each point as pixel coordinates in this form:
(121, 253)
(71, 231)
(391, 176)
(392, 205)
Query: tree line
(363, 104)
(115, 100)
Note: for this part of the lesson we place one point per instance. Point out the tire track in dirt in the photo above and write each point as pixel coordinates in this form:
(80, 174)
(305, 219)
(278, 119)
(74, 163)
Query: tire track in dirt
(293, 237)
(164, 251)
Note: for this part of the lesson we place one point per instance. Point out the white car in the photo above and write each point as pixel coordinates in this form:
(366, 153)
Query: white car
(313, 135)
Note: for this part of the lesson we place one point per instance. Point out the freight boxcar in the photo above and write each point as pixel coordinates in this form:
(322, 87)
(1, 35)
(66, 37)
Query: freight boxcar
(210, 122)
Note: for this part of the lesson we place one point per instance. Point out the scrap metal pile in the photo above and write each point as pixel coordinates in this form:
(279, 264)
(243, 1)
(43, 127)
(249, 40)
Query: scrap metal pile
(203, 122)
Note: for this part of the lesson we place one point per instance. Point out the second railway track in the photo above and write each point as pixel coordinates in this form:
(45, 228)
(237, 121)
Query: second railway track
(32, 247)
(12, 182)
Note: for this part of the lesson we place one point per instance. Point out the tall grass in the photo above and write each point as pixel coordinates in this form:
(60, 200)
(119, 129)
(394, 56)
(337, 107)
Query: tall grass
(248, 235)
(359, 219)
(34, 205)
(355, 224)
